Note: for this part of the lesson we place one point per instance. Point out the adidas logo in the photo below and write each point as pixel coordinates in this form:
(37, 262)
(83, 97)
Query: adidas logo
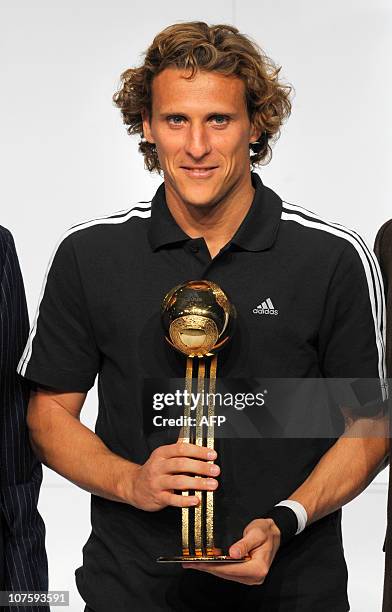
(266, 308)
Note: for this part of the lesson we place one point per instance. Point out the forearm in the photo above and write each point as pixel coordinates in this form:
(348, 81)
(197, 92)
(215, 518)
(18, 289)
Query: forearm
(70, 448)
(345, 470)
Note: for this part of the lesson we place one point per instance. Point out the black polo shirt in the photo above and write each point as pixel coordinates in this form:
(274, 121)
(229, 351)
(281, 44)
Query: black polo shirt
(309, 299)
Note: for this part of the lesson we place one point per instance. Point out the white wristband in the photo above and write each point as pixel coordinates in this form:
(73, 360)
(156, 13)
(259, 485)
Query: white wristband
(302, 516)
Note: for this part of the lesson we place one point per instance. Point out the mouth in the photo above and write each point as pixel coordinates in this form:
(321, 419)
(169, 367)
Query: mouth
(199, 172)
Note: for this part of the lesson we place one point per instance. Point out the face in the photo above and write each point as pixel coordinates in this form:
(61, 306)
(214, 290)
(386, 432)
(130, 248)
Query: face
(202, 132)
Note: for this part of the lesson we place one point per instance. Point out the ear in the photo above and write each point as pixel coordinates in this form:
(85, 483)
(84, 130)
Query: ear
(147, 126)
(255, 133)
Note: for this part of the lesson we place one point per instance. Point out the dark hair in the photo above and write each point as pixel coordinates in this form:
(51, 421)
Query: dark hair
(197, 46)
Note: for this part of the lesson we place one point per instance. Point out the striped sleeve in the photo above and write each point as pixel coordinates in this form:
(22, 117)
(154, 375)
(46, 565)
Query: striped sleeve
(61, 351)
(352, 332)
(351, 343)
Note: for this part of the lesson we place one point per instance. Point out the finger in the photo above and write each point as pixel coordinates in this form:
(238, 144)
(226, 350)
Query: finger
(183, 449)
(185, 465)
(246, 572)
(188, 483)
(254, 537)
(179, 501)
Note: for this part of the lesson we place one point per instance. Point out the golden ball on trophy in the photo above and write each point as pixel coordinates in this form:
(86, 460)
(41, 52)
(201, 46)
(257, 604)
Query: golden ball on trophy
(198, 318)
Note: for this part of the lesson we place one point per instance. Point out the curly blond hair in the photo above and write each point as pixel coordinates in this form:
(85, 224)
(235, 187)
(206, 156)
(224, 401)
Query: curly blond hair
(222, 48)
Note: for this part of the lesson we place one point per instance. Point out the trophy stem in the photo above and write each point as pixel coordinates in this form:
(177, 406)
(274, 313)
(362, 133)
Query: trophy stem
(198, 522)
(185, 436)
(210, 444)
(199, 441)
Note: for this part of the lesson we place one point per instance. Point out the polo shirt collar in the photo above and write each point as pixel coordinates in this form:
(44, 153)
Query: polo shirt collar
(257, 231)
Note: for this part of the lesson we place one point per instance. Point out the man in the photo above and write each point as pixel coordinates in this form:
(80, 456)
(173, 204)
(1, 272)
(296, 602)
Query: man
(203, 97)
(23, 564)
(383, 250)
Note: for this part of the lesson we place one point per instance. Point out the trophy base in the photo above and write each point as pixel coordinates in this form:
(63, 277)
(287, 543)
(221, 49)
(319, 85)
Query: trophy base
(202, 559)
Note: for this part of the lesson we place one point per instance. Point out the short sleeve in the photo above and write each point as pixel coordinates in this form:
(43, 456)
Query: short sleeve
(61, 351)
(352, 331)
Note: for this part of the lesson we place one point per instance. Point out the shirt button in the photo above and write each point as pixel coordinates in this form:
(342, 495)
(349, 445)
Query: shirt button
(194, 248)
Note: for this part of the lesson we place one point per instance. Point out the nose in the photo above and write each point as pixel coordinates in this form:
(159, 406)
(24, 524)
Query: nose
(197, 143)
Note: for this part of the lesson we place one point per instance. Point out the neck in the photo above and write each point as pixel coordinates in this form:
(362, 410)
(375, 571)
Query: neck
(216, 223)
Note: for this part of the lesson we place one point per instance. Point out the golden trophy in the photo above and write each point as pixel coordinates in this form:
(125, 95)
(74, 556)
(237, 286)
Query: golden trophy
(198, 320)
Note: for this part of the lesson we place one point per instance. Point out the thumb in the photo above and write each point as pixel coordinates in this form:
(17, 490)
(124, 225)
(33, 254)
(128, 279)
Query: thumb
(254, 537)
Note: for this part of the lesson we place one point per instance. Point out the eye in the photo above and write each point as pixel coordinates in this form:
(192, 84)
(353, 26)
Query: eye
(175, 119)
(220, 119)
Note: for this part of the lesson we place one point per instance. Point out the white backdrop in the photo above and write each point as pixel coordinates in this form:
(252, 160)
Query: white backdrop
(66, 157)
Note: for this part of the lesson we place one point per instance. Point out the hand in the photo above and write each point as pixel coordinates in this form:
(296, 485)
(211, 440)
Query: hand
(166, 470)
(261, 541)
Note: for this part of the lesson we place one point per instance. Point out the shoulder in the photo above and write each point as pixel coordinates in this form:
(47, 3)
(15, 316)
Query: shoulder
(383, 246)
(385, 232)
(7, 246)
(107, 228)
(5, 237)
(115, 221)
(324, 234)
(351, 262)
